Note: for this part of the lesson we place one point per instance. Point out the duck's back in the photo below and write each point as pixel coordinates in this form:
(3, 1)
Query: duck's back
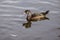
(35, 14)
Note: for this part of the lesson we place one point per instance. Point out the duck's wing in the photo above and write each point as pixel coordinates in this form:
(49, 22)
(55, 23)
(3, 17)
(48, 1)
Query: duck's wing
(35, 14)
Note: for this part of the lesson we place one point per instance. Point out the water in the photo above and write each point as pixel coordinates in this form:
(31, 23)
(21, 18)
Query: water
(12, 17)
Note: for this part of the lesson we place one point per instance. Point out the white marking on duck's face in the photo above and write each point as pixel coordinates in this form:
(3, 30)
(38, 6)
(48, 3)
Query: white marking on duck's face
(28, 12)
(24, 13)
(29, 15)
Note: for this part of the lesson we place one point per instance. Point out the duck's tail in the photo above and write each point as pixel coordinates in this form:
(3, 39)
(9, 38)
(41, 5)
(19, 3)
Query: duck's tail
(46, 12)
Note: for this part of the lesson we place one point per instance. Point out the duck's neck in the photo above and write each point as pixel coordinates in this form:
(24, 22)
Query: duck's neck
(29, 16)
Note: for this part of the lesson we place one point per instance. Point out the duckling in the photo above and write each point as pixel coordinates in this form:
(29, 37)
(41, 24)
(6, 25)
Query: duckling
(36, 16)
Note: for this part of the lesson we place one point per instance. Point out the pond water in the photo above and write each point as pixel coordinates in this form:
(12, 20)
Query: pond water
(12, 17)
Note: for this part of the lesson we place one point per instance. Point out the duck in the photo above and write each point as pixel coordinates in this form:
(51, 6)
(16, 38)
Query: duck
(36, 16)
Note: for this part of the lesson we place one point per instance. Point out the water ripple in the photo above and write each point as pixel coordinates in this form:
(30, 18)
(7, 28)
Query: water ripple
(55, 12)
(42, 2)
(9, 1)
(11, 6)
(11, 15)
(4, 10)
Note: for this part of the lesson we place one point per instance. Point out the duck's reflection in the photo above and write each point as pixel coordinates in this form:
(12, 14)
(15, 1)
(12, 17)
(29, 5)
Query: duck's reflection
(28, 24)
(34, 17)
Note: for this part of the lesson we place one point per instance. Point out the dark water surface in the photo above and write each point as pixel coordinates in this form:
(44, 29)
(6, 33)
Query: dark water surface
(12, 17)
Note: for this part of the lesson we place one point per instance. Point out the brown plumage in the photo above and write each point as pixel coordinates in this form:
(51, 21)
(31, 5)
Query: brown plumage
(36, 16)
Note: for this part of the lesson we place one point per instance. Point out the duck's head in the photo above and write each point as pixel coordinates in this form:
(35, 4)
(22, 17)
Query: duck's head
(27, 11)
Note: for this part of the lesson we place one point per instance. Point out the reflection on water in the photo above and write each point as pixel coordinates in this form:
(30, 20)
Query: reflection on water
(28, 24)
